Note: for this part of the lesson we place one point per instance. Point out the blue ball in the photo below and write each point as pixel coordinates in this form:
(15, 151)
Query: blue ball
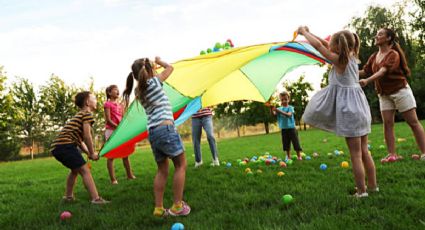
(336, 152)
(228, 165)
(308, 158)
(323, 167)
(369, 146)
(177, 226)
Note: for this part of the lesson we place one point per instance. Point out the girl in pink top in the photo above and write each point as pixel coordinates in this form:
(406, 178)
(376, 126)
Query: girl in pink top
(113, 115)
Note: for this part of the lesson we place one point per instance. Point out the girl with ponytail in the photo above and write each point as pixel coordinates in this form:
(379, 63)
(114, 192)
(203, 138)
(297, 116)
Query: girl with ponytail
(165, 141)
(342, 107)
(388, 69)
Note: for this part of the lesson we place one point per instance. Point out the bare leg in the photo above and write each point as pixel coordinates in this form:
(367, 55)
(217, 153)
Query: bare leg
(418, 131)
(368, 164)
(388, 119)
(88, 181)
(70, 183)
(127, 167)
(160, 182)
(111, 170)
(179, 177)
(288, 154)
(354, 146)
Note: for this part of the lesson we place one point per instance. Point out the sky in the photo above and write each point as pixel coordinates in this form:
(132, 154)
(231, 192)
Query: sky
(80, 39)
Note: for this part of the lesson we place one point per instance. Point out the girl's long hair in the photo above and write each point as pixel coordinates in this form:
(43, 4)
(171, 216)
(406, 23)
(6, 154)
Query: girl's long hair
(141, 71)
(396, 46)
(346, 43)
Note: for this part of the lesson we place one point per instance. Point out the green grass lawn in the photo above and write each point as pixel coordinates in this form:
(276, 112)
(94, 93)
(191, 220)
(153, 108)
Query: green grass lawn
(226, 198)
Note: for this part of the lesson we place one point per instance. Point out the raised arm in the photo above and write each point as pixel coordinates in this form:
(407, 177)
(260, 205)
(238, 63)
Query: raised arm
(317, 44)
(168, 69)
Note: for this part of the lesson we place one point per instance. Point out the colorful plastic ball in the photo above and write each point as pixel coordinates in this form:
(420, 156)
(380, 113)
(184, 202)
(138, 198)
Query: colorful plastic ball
(249, 173)
(336, 152)
(382, 147)
(247, 170)
(216, 49)
(242, 163)
(323, 167)
(287, 199)
(315, 154)
(65, 215)
(345, 164)
(202, 52)
(279, 174)
(282, 164)
(228, 165)
(177, 226)
(218, 45)
(290, 162)
(303, 154)
(308, 158)
(294, 157)
(259, 171)
(209, 50)
(369, 146)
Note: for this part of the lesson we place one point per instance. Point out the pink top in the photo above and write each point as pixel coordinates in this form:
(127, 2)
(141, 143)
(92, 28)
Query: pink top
(116, 111)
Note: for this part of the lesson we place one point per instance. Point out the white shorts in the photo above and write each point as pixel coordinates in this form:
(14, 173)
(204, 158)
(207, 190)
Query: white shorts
(402, 100)
(108, 133)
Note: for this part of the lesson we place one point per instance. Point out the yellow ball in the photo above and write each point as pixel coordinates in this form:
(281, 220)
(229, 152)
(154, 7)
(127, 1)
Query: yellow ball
(280, 174)
(344, 164)
(247, 170)
(259, 171)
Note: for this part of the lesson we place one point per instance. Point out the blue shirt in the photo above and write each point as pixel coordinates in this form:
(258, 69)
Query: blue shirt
(286, 122)
(158, 106)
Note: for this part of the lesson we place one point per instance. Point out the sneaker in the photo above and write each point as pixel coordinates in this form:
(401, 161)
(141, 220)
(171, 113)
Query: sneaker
(360, 195)
(114, 182)
(165, 214)
(300, 158)
(132, 177)
(68, 198)
(100, 200)
(215, 163)
(198, 164)
(183, 212)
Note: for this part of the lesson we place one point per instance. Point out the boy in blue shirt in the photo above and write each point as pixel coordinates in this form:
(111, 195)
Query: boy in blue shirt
(286, 121)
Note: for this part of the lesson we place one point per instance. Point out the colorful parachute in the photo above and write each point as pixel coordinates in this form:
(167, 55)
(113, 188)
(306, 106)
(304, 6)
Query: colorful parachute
(242, 73)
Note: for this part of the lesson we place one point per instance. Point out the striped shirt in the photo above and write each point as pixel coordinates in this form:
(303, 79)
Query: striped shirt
(72, 132)
(203, 113)
(157, 105)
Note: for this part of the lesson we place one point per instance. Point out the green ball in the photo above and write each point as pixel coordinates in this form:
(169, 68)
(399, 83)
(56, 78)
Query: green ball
(294, 157)
(250, 173)
(202, 52)
(209, 50)
(287, 199)
(290, 162)
(218, 45)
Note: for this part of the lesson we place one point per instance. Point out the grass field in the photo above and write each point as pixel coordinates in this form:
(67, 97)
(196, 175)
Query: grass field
(226, 198)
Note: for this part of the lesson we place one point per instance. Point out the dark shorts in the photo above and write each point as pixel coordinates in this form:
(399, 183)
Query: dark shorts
(69, 155)
(288, 136)
(165, 142)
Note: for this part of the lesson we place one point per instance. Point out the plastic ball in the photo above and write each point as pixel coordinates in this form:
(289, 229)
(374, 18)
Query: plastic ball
(369, 146)
(177, 226)
(218, 45)
(249, 173)
(228, 165)
(287, 199)
(259, 171)
(336, 152)
(382, 147)
(216, 49)
(65, 215)
(247, 170)
(323, 167)
(344, 164)
(279, 174)
(294, 157)
(303, 154)
(290, 162)
(209, 50)
(308, 158)
(392, 158)
(315, 154)
(282, 164)
(202, 52)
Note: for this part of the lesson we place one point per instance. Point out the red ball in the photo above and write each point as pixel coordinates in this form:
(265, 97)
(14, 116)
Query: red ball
(65, 215)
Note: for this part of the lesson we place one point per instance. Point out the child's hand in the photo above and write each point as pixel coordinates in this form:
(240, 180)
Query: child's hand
(94, 157)
(301, 30)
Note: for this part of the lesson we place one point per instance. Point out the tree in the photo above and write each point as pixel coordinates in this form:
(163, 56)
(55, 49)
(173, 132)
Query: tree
(258, 112)
(9, 143)
(233, 113)
(27, 111)
(299, 96)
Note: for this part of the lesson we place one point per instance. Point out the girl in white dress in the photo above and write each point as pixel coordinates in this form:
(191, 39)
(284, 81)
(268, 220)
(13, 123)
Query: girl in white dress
(342, 107)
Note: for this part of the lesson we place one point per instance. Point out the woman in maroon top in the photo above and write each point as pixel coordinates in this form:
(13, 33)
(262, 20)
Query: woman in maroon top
(388, 69)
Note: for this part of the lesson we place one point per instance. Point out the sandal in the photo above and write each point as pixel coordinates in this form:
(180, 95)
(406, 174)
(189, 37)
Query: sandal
(185, 210)
(391, 158)
(68, 198)
(360, 195)
(423, 157)
(100, 200)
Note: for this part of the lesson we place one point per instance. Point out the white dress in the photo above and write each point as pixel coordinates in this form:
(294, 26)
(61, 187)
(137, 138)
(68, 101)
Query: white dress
(341, 107)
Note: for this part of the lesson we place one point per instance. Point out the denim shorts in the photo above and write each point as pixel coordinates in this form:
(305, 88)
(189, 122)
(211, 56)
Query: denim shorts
(165, 142)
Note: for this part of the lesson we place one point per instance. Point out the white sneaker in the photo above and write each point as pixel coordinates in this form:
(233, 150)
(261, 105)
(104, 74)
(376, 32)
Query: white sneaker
(198, 164)
(215, 163)
(361, 195)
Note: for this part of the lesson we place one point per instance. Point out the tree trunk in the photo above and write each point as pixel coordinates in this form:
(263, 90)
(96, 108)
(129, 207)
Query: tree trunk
(267, 127)
(31, 150)
(238, 130)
